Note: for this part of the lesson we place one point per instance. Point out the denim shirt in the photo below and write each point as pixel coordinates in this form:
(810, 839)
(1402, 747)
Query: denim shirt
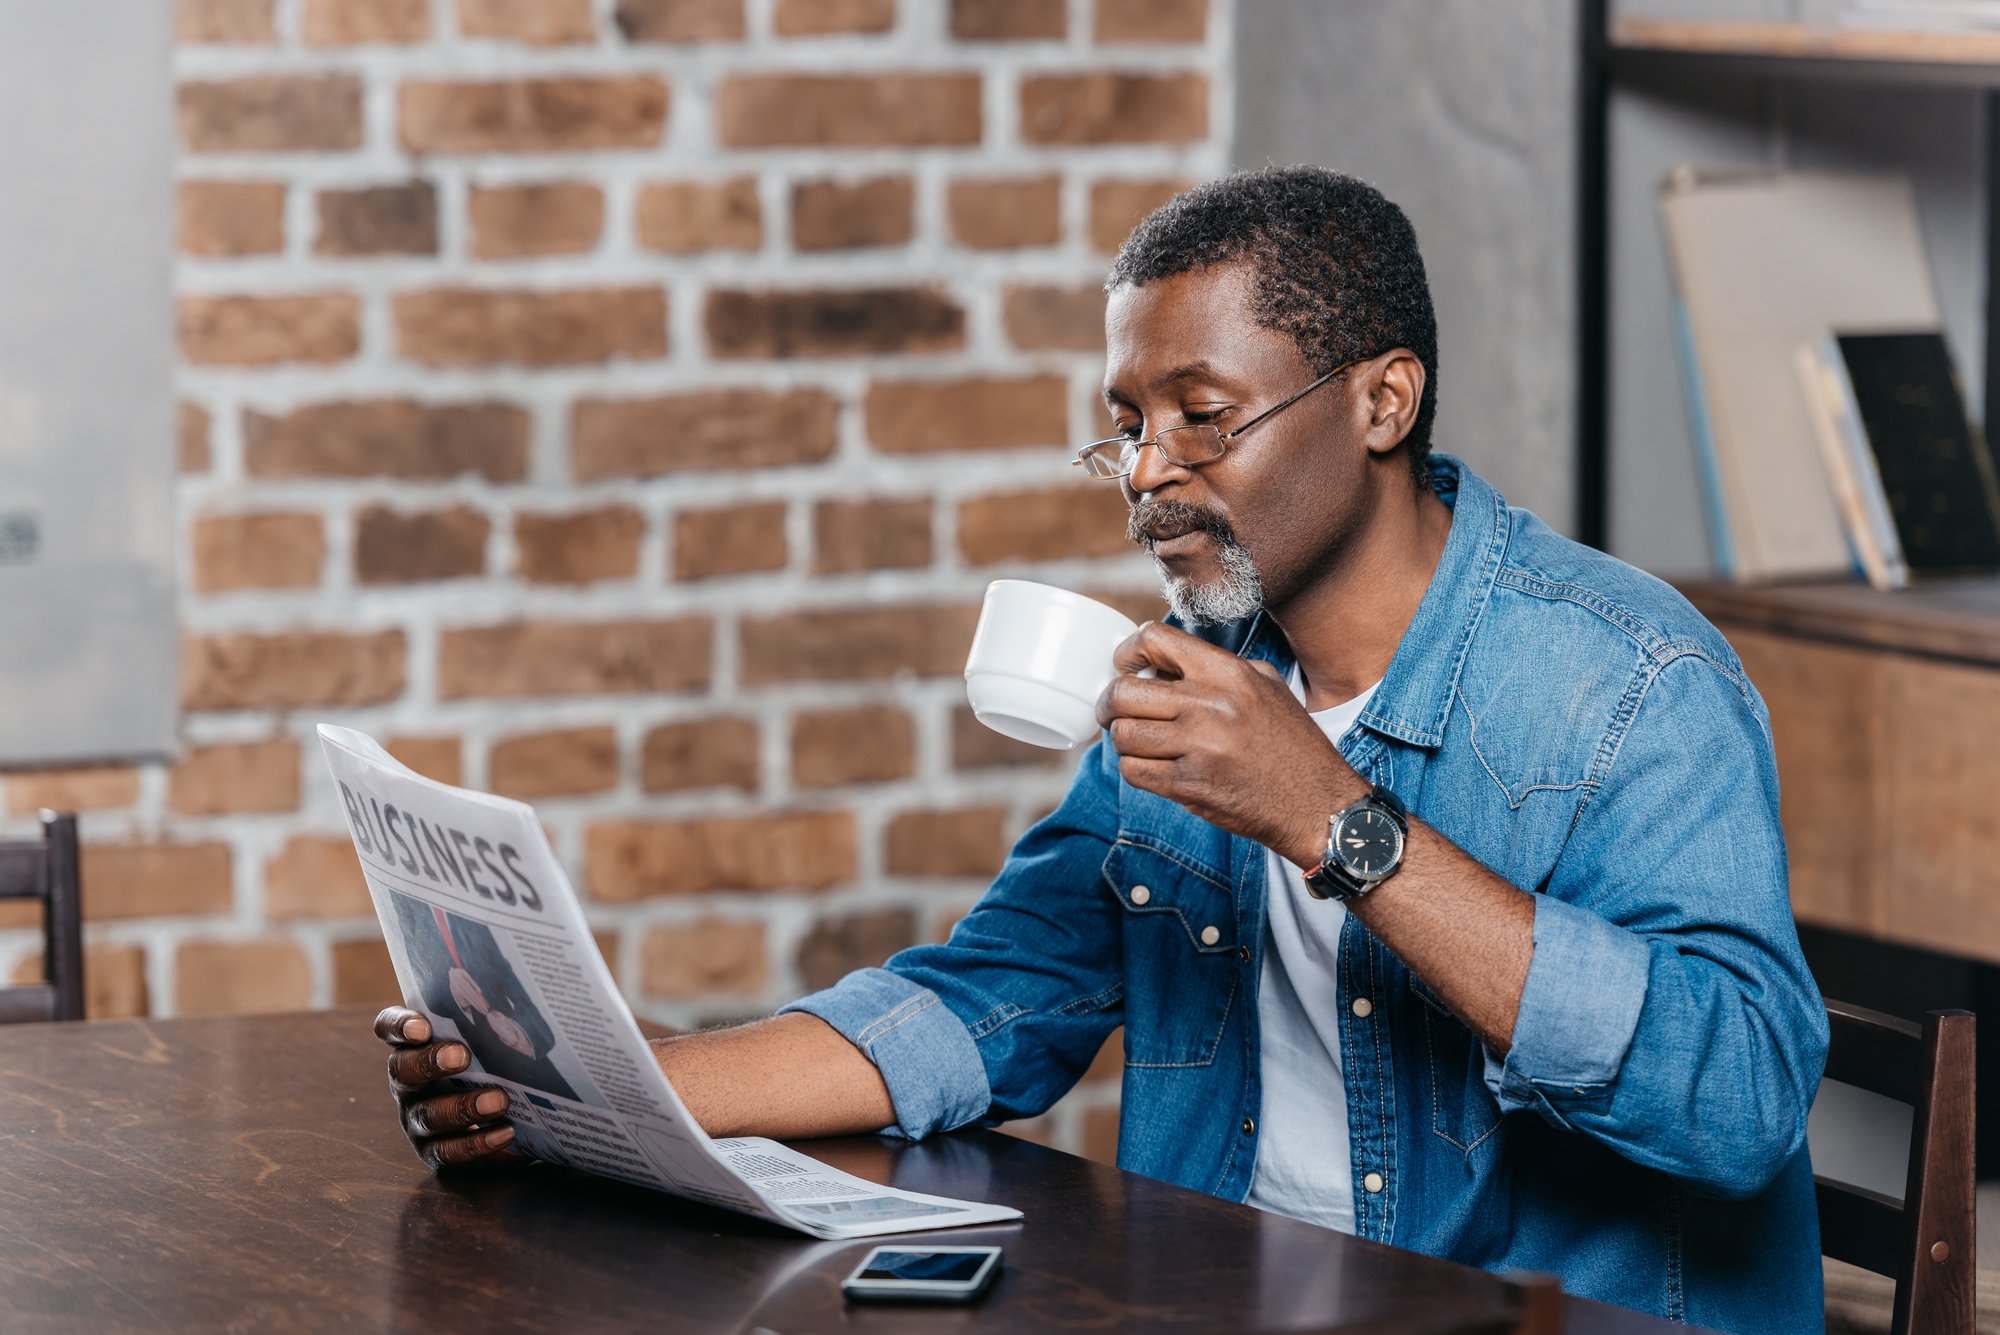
(1578, 728)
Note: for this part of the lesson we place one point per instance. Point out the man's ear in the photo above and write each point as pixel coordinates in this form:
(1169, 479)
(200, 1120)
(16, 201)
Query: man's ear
(1394, 384)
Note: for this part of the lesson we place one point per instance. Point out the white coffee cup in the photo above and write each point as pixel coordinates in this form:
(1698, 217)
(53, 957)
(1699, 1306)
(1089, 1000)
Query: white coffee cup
(1040, 659)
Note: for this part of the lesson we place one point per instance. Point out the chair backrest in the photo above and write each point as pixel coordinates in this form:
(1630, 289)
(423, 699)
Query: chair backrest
(46, 869)
(1925, 1241)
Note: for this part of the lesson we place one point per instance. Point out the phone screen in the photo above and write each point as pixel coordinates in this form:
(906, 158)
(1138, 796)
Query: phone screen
(935, 1267)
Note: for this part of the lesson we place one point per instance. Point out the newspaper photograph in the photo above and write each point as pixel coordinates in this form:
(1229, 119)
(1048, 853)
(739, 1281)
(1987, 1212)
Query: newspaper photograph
(490, 943)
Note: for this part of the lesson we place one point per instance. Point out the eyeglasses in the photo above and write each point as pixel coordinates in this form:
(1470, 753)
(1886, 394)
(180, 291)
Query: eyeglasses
(1182, 446)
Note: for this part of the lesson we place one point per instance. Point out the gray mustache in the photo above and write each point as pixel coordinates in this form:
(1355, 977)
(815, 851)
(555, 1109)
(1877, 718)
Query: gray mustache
(1151, 523)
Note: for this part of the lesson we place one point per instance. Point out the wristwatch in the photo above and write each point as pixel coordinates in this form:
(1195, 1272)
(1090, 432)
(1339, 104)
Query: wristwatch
(1364, 847)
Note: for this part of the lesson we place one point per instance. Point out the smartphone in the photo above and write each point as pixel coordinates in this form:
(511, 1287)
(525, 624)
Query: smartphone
(923, 1275)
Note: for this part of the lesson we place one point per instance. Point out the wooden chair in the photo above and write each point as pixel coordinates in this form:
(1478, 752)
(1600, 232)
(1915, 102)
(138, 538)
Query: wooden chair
(1925, 1242)
(46, 869)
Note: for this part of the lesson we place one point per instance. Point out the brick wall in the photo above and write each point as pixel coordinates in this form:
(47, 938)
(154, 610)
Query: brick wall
(621, 404)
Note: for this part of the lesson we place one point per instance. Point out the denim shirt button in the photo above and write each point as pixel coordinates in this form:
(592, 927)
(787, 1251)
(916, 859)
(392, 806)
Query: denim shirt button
(1363, 1007)
(1140, 894)
(1210, 935)
(1249, 1126)
(1243, 953)
(1373, 1182)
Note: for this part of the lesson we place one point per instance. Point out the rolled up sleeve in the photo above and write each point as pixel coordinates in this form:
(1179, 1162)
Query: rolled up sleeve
(925, 1053)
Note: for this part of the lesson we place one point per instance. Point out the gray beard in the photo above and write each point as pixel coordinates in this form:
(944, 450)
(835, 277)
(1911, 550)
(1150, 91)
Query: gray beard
(1236, 593)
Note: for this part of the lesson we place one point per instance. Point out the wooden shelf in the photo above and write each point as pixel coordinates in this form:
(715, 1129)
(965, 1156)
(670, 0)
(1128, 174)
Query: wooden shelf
(1950, 619)
(1796, 41)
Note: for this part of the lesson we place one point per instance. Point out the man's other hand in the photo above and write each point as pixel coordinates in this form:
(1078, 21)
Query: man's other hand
(448, 1128)
(1225, 738)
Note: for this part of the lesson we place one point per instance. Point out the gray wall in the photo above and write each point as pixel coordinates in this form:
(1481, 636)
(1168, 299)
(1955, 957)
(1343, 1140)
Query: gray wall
(87, 638)
(1463, 112)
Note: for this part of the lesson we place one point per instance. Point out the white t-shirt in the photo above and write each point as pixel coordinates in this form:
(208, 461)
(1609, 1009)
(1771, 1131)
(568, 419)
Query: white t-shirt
(1305, 1166)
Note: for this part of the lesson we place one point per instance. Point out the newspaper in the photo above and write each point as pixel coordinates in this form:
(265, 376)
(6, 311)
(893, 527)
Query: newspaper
(489, 942)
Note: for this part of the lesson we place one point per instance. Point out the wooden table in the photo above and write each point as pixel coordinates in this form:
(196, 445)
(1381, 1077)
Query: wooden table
(247, 1174)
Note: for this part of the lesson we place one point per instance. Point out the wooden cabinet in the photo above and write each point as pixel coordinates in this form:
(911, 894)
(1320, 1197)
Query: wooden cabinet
(1885, 709)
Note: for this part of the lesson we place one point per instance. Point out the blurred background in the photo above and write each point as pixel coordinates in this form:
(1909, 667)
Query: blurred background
(622, 405)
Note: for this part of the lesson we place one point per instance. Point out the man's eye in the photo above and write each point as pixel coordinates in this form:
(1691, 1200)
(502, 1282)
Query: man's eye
(1203, 416)
(1129, 432)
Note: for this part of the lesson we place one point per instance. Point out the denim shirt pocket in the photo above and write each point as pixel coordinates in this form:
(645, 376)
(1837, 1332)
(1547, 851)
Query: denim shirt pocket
(1463, 1112)
(1180, 953)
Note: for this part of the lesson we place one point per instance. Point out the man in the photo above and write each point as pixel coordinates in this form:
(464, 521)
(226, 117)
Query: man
(1552, 1013)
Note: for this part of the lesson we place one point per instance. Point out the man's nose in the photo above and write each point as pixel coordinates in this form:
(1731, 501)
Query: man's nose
(1153, 469)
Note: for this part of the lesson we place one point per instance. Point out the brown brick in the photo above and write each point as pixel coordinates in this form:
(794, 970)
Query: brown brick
(378, 220)
(731, 540)
(559, 763)
(321, 327)
(363, 974)
(1054, 319)
(239, 977)
(816, 18)
(512, 221)
(285, 113)
(1100, 1135)
(1108, 1066)
(194, 453)
(225, 21)
(871, 534)
(315, 876)
(245, 670)
(285, 550)
(155, 880)
(1004, 215)
(1152, 20)
(837, 946)
(394, 547)
(236, 776)
(114, 981)
(366, 22)
(867, 744)
(701, 753)
(856, 322)
(680, 20)
(1116, 207)
(968, 842)
(536, 22)
(702, 432)
(707, 957)
(1109, 108)
(939, 416)
(1081, 519)
(468, 326)
(687, 217)
(1008, 20)
(976, 746)
(440, 758)
(860, 643)
(533, 115)
(772, 850)
(848, 110)
(580, 547)
(225, 218)
(527, 658)
(833, 215)
(94, 788)
(393, 438)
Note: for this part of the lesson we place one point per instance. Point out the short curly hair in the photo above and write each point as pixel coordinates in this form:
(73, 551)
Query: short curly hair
(1336, 265)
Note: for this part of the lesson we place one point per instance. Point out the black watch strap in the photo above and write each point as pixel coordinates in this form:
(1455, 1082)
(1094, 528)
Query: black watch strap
(1331, 880)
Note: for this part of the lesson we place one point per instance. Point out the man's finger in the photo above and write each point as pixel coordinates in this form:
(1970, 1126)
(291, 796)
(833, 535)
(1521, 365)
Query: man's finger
(448, 1114)
(1169, 649)
(455, 1151)
(1147, 739)
(410, 1069)
(1138, 697)
(399, 1026)
(1155, 776)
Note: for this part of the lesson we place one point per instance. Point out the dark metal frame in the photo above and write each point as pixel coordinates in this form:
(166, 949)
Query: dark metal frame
(1600, 66)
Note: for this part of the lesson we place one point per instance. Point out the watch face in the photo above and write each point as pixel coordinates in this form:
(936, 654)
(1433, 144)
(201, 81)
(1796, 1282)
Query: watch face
(1369, 844)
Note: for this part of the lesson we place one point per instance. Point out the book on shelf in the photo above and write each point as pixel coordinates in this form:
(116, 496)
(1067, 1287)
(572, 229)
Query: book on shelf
(1762, 262)
(1895, 433)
